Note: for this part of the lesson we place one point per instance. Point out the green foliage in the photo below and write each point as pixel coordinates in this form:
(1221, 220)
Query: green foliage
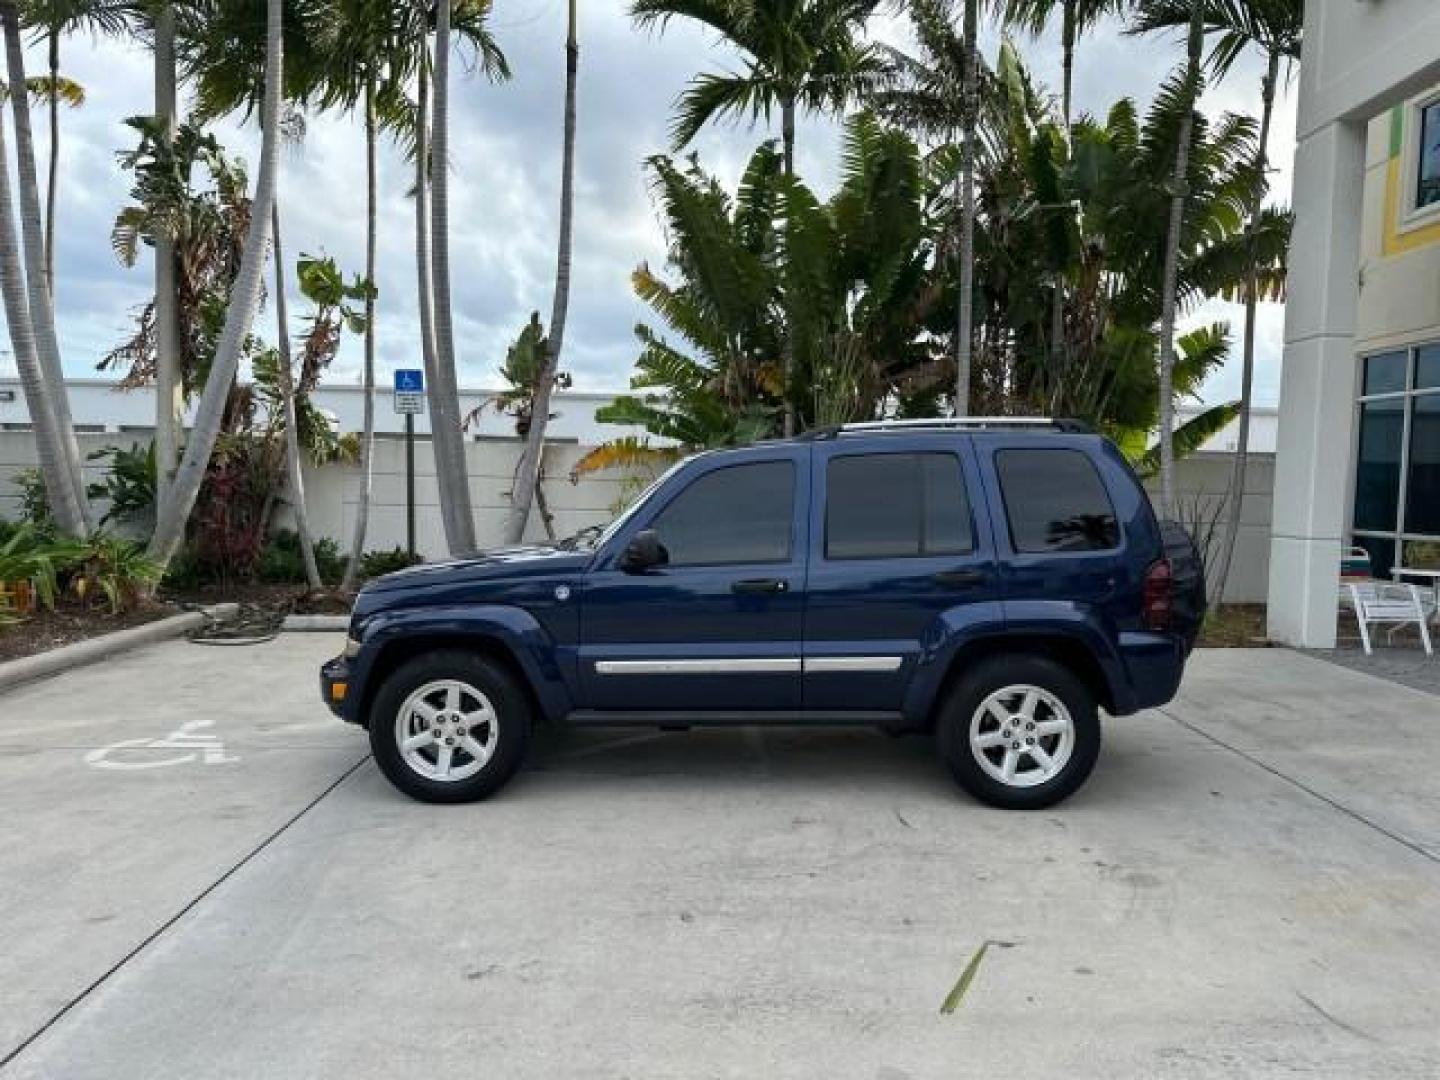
(525, 362)
(378, 563)
(116, 569)
(34, 502)
(281, 563)
(101, 566)
(129, 484)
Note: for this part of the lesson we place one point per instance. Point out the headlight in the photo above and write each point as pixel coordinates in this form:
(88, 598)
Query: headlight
(352, 648)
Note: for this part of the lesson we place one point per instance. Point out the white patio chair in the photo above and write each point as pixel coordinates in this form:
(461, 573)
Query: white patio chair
(1386, 603)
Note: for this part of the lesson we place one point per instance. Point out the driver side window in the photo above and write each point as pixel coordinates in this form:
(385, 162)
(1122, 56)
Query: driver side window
(736, 514)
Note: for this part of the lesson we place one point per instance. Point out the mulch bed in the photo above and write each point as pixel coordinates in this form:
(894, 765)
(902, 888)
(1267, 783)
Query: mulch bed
(1234, 626)
(69, 623)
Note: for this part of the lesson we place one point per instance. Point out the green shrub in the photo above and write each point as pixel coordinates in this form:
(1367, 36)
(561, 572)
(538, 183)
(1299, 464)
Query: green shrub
(130, 483)
(379, 563)
(281, 563)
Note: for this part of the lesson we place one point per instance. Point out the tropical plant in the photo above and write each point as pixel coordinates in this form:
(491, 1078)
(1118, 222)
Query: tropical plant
(33, 558)
(529, 470)
(174, 511)
(282, 561)
(1275, 28)
(798, 55)
(187, 193)
(129, 484)
(379, 563)
(116, 569)
(1077, 18)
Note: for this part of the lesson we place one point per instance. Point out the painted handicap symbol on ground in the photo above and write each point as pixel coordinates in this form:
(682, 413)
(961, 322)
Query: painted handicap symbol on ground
(183, 746)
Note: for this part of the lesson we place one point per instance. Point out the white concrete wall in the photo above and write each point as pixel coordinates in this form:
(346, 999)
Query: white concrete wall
(1201, 482)
(332, 492)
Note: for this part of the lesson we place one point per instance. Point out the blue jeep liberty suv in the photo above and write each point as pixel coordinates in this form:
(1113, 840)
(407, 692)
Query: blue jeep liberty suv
(995, 582)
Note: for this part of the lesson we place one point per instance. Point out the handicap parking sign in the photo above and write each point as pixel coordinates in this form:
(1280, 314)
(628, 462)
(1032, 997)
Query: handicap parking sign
(409, 390)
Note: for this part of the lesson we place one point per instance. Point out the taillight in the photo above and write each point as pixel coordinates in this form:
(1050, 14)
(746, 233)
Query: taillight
(1158, 602)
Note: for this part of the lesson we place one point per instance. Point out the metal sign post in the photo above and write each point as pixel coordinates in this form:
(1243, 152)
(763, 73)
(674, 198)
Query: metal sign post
(409, 400)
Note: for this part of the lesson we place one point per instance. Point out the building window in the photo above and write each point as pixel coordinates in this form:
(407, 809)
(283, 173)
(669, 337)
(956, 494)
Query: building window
(1427, 185)
(1396, 514)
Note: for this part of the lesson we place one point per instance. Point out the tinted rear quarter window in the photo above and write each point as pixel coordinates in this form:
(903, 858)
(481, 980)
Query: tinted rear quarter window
(736, 514)
(895, 506)
(1055, 501)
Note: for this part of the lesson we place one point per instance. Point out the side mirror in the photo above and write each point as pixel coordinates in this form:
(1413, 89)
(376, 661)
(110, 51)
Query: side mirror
(644, 551)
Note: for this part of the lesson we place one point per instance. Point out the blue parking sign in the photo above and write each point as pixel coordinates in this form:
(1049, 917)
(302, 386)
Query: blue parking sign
(409, 381)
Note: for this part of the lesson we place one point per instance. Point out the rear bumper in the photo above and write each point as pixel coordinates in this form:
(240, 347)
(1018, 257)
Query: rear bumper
(335, 685)
(1154, 664)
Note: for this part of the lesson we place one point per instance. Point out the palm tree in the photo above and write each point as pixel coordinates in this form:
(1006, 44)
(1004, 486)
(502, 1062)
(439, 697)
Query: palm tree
(527, 477)
(169, 377)
(173, 513)
(294, 475)
(1193, 83)
(41, 311)
(964, 330)
(445, 425)
(367, 439)
(53, 19)
(799, 54)
(1077, 18)
(1276, 28)
(57, 478)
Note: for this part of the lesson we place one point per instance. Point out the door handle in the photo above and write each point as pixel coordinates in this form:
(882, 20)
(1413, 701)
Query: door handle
(756, 586)
(958, 579)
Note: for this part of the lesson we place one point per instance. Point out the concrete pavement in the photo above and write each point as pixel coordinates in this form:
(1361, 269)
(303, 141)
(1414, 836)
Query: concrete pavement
(1248, 886)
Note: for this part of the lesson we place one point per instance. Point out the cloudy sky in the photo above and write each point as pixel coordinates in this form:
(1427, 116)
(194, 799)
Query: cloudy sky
(505, 185)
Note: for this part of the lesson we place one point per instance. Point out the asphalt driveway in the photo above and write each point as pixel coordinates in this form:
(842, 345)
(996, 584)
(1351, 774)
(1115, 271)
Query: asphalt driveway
(202, 875)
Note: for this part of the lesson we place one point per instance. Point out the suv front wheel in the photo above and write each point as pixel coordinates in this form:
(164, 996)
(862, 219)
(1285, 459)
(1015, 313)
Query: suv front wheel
(449, 727)
(1020, 732)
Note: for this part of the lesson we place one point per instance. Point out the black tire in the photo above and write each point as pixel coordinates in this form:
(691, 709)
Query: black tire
(508, 740)
(990, 677)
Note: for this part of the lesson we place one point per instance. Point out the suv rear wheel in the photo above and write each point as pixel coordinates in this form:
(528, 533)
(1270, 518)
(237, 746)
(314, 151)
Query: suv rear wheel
(1020, 732)
(449, 727)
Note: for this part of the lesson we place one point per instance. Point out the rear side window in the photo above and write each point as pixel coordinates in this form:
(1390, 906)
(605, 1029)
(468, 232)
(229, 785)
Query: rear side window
(738, 514)
(895, 506)
(1056, 501)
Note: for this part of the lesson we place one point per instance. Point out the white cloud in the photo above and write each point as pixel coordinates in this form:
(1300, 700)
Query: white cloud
(505, 184)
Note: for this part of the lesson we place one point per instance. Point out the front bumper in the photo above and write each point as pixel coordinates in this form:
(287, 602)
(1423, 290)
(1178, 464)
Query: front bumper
(335, 684)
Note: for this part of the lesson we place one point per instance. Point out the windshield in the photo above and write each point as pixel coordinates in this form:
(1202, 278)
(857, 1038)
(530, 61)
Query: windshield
(592, 537)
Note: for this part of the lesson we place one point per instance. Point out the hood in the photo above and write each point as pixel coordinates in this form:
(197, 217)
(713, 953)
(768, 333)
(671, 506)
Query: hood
(521, 561)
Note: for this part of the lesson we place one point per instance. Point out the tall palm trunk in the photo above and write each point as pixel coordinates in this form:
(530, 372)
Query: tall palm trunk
(1247, 377)
(169, 384)
(294, 474)
(1168, 297)
(424, 286)
(52, 180)
(22, 341)
(42, 314)
(527, 476)
(239, 316)
(964, 323)
(787, 141)
(367, 438)
(445, 405)
(1067, 61)
(1058, 347)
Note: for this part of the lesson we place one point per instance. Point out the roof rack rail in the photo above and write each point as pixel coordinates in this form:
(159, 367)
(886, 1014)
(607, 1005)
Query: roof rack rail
(956, 423)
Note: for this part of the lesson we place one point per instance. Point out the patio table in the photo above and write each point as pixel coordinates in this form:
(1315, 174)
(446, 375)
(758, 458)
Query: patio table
(1400, 573)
